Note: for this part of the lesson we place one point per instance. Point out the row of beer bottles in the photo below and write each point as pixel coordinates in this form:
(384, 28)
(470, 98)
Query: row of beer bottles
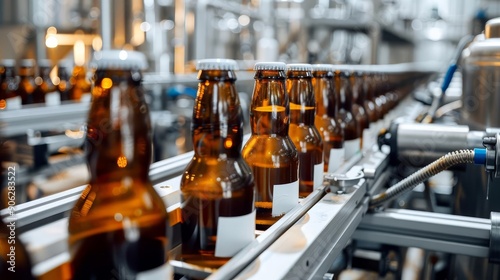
(227, 190)
(23, 86)
(119, 226)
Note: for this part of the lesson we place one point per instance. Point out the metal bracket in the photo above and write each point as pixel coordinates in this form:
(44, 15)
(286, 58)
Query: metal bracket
(494, 252)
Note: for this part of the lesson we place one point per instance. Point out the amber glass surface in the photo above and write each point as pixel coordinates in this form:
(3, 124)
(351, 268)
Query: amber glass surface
(79, 83)
(329, 128)
(64, 86)
(16, 259)
(377, 88)
(357, 94)
(26, 84)
(8, 85)
(368, 104)
(345, 116)
(119, 225)
(217, 182)
(392, 99)
(302, 131)
(44, 85)
(352, 131)
(270, 152)
(15, 262)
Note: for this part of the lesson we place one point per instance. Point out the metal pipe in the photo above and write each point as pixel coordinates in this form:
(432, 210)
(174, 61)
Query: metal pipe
(443, 163)
(417, 144)
(106, 16)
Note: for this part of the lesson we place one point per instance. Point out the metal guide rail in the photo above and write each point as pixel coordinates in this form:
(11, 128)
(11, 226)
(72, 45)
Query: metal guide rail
(433, 231)
(323, 221)
(17, 122)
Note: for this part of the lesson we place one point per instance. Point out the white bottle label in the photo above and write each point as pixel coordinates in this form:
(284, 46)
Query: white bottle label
(86, 97)
(162, 272)
(337, 157)
(367, 139)
(234, 233)
(378, 126)
(318, 174)
(53, 99)
(387, 120)
(285, 197)
(351, 147)
(14, 103)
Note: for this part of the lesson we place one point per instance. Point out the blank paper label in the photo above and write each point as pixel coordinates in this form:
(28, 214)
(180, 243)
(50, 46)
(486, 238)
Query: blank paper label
(162, 272)
(378, 126)
(367, 139)
(86, 97)
(351, 147)
(14, 103)
(53, 99)
(234, 233)
(337, 157)
(318, 174)
(285, 197)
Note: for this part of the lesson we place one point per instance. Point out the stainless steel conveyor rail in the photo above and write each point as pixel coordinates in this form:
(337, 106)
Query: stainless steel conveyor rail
(453, 234)
(48, 209)
(47, 243)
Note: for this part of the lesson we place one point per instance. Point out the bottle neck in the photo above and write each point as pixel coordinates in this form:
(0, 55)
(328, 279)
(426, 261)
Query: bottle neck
(270, 110)
(118, 138)
(217, 126)
(302, 100)
(357, 89)
(7, 73)
(62, 73)
(26, 72)
(323, 89)
(343, 87)
(45, 73)
(370, 87)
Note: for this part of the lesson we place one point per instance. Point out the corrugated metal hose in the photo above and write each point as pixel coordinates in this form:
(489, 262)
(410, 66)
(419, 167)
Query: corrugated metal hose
(441, 164)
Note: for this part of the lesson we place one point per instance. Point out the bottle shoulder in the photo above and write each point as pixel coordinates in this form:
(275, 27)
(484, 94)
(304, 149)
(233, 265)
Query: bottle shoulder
(102, 201)
(215, 176)
(304, 133)
(269, 148)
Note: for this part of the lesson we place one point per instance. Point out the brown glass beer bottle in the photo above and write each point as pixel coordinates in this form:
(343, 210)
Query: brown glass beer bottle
(43, 82)
(375, 85)
(119, 228)
(64, 85)
(80, 87)
(270, 152)
(358, 109)
(380, 99)
(329, 128)
(369, 106)
(302, 131)
(8, 85)
(27, 81)
(352, 133)
(217, 187)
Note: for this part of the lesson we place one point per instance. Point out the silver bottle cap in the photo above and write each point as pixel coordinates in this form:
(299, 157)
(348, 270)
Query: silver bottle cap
(216, 64)
(119, 59)
(322, 67)
(299, 67)
(8, 62)
(269, 66)
(27, 63)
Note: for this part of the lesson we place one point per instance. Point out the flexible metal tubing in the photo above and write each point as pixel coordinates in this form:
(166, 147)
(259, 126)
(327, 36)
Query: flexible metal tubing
(441, 164)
